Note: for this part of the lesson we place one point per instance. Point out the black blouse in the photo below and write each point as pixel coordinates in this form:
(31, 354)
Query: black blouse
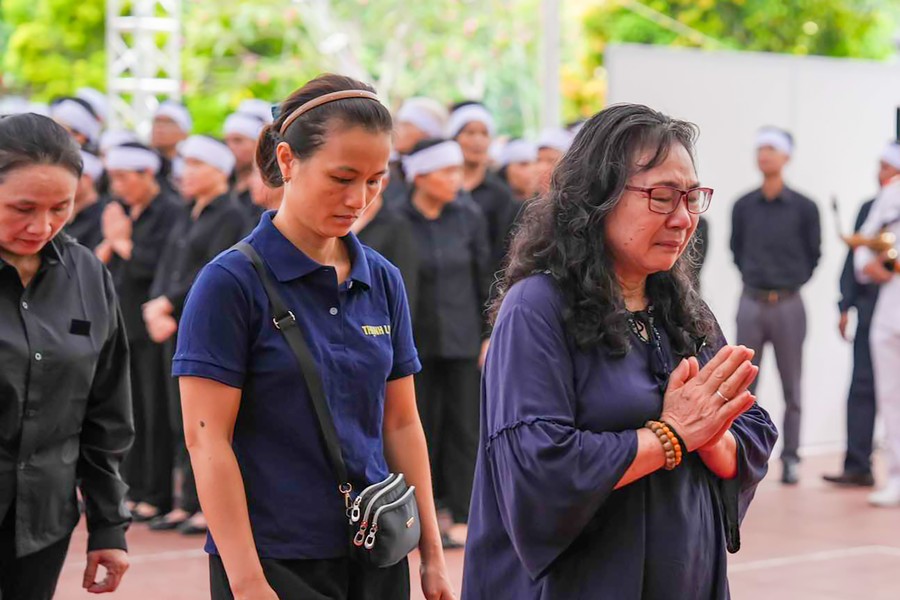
(65, 400)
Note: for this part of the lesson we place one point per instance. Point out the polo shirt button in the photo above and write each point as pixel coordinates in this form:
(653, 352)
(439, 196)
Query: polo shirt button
(37, 356)
(25, 305)
(30, 412)
(21, 466)
(333, 311)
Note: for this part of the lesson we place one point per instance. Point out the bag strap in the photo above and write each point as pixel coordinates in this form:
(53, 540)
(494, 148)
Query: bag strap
(286, 323)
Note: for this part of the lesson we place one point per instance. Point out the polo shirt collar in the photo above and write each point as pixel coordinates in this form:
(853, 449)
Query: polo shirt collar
(289, 262)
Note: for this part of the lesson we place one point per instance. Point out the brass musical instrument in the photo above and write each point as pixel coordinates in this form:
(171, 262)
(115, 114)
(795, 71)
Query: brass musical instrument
(885, 243)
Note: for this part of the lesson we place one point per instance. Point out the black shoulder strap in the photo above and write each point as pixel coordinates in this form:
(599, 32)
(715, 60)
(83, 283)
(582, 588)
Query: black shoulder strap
(284, 321)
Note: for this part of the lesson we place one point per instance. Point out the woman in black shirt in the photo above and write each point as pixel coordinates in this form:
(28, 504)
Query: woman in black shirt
(65, 419)
(453, 281)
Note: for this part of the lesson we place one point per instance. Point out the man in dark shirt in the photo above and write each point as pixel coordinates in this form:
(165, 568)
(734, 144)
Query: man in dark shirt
(135, 228)
(861, 399)
(212, 223)
(776, 241)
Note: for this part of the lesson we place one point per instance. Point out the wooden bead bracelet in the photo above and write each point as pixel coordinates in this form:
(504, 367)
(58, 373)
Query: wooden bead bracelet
(670, 443)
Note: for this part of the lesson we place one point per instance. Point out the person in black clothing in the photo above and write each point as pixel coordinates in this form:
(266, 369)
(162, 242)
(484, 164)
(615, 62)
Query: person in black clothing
(701, 246)
(472, 126)
(776, 241)
(65, 419)
(241, 134)
(263, 196)
(418, 119)
(518, 168)
(389, 232)
(454, 280)
(135, 228)
(172, 124)
(84, 224)
(861, 405)
(79, 119)
(213, 222)
(553, 143)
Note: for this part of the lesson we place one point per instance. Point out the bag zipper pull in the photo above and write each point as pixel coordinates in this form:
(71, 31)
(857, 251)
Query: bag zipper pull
(355, 512)
(360, 536)
(370, 539)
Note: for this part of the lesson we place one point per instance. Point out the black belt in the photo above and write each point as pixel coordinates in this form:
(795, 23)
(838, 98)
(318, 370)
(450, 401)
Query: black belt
(770, 296)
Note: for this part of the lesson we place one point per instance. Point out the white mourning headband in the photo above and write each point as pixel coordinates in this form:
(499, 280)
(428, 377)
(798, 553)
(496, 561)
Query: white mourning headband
(433, 158)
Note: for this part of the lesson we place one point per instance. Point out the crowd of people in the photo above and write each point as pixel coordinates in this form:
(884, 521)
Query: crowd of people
(155, 214)
(570, 385)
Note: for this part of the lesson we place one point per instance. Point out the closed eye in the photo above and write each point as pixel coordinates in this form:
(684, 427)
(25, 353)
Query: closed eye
(341, 180)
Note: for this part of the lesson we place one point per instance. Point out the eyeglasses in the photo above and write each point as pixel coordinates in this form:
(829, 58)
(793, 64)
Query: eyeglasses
(664, 199)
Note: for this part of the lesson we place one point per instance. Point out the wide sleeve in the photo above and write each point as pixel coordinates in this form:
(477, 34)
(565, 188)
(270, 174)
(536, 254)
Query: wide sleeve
(549, 476)
(214, 343)
(756, 436)
(107, 433)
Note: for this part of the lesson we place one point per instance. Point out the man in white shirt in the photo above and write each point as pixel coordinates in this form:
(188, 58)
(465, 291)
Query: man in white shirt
(884, 270)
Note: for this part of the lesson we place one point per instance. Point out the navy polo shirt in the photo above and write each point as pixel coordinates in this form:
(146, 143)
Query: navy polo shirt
(360, 335)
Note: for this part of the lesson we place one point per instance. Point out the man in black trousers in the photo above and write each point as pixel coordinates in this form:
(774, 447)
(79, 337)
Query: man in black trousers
(776, 241)
(861, 399)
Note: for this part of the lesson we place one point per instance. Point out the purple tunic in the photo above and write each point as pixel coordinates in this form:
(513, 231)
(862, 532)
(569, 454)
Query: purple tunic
(558, 431)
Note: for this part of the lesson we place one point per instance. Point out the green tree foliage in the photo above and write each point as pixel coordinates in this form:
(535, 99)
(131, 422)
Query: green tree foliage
(52, 47)
(838, 28)
(450, 50)
(453, 50)
(238, 50)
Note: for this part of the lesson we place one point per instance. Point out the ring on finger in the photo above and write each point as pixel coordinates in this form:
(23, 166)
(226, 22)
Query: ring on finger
(719, 394)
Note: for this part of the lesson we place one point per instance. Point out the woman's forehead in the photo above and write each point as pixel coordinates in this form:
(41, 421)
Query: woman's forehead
(37, 181)
(677, 166)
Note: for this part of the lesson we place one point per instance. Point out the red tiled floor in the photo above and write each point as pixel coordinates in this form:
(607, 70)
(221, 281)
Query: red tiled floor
(811, 542)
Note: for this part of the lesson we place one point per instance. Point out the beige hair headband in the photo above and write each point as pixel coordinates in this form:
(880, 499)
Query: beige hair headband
(325, 99)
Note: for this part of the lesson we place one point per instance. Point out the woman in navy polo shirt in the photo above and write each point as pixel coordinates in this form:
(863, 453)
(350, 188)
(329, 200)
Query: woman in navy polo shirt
(276, 521)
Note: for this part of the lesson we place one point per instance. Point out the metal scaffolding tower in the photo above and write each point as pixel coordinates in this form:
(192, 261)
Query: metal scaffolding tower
(143, 50)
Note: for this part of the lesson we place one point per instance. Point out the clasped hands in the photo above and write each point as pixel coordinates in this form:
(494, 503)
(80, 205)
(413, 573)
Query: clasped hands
(701, 404)
(118, 229)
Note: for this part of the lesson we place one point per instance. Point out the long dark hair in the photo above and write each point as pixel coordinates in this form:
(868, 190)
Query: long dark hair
(563, 234)
(307, 133)
(29, 139)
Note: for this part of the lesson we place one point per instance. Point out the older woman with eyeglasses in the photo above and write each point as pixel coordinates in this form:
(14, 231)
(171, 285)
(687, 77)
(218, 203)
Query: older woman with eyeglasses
(620, 446)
